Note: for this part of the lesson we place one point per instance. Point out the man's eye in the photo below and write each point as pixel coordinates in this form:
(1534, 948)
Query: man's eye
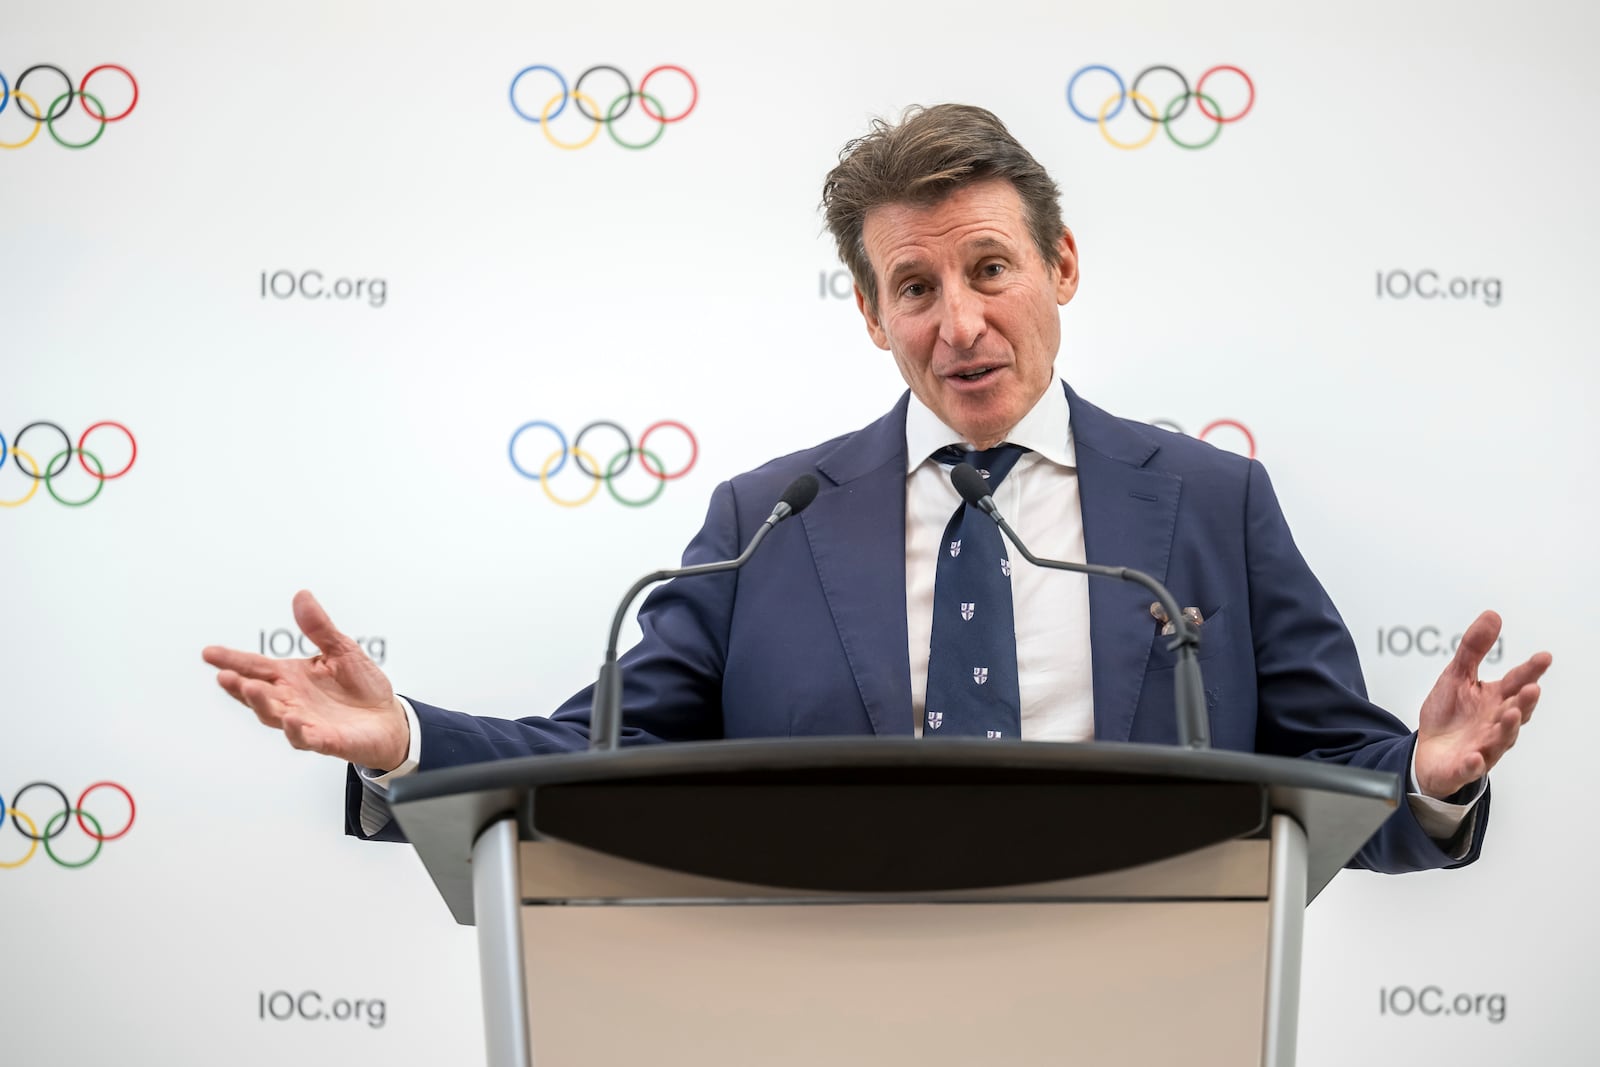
(914, 290)
(992, 270)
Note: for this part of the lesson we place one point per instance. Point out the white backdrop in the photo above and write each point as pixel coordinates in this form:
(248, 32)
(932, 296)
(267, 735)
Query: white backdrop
(1431, 453)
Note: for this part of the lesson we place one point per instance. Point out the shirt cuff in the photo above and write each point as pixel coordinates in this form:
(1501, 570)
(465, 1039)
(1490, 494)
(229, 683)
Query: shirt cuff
(1441, 819)
(380, 781)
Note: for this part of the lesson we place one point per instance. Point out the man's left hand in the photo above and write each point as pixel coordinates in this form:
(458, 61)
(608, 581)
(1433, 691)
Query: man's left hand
(1467, 725)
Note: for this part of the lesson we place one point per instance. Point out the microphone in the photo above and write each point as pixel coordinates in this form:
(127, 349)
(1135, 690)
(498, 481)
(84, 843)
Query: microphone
(605, 716)
(1194, 730)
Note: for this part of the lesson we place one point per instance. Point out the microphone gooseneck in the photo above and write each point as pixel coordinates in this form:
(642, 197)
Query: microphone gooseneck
(1189, 705)
(605, 716)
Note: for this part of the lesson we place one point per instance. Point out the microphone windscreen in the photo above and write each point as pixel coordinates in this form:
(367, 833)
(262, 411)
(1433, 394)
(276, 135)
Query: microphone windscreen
(801, 492)
(969, 483)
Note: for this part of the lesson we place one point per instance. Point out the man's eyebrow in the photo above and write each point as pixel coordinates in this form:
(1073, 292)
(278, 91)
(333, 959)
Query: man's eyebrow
(989, 244)
(900, 268)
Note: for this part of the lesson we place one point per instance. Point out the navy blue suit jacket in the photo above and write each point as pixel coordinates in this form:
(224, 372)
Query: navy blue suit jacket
(810, 638)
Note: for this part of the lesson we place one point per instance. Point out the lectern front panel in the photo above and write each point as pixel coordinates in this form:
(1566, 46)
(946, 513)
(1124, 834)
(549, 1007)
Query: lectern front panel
(930, 985)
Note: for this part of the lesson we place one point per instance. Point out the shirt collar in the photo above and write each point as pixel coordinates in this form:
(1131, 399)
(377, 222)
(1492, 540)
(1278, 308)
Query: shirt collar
(1046, 429)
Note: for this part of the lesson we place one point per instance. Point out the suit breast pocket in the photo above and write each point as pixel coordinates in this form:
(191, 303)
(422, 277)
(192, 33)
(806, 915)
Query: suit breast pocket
(1213, 639)
(1154, 721)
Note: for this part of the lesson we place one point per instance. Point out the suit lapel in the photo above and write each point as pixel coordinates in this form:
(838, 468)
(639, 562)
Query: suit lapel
(856, 528)
(1129, 516)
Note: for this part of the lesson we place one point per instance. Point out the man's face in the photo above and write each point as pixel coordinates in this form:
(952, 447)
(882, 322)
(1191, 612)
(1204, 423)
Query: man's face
(967, 306)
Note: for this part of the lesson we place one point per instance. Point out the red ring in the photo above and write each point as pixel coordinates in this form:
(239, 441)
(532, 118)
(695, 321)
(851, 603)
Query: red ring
(1237, 425)
(83, 85)
(107, 477)
(1201, 84)
(132, 811)
(644, 101)
(694, 449)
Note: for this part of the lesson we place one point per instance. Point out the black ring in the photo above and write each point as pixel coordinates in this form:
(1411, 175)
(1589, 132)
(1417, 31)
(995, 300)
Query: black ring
(578, 440)
(596, 118)
(1150, 70)
(64, 459)
(16, 802)
(17, 88)
(1166, 424)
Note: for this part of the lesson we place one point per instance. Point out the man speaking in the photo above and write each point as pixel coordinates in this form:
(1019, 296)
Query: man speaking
(889, 607)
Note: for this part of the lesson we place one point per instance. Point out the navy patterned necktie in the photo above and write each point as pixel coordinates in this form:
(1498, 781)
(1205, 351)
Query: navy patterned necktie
(972, 658)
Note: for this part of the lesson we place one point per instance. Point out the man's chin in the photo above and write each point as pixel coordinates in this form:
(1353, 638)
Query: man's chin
(982, 420)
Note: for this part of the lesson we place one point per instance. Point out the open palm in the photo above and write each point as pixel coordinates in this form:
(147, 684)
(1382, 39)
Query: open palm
(338, 703)
(1466, 725)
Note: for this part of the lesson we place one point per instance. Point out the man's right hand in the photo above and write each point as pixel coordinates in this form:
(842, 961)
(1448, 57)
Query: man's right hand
(338, 703)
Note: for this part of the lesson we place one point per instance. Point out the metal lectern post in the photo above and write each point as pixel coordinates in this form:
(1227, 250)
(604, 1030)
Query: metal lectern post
(497, 902)
(1286, 923)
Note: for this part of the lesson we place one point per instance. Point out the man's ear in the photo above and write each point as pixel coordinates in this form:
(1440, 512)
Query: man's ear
(875, 328)
(1067, 272)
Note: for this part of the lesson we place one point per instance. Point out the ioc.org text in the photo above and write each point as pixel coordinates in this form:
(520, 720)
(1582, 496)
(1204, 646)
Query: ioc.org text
(310, 1006)
(1428, 641)
(1430, 1001)
(316, 286)
(1429, 284)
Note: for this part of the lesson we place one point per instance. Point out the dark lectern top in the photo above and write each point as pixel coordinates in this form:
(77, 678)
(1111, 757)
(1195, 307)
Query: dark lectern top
(891, 816)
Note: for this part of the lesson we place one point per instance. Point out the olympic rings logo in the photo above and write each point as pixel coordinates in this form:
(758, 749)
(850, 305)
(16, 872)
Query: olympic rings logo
(586, 106)
(57, 824)
(1159, 118)
(606, 474)
(49, 473)
(47, 117)
(1212, 427)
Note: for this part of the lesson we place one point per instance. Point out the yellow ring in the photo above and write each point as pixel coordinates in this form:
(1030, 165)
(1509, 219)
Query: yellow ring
(1105, 131)
(37, 126)
(544, 476)
(36, 480)
(33, 831)
(544, 122)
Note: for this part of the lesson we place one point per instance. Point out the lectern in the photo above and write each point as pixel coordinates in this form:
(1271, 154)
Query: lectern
(889, 901)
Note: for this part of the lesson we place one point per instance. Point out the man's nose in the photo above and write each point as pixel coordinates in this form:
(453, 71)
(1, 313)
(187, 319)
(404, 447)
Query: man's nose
(962, 324)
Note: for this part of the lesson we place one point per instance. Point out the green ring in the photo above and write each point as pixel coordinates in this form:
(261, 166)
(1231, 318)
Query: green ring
(611, 113)
(100, 483)
(99, 838)
(50, 123)
(1166, 120)
(611, 468)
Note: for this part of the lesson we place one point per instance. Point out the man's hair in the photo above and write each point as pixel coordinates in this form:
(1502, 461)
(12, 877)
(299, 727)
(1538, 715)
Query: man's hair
(930, 154)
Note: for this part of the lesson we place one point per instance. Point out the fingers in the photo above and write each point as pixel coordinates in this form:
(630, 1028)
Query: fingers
(1502, 731)
(247, 664)
(272, 710)
(1524, 674)
(253, 693)
(1475, 644)
(315, 624)
(306, 735)
(260, 697)
(1524, 702)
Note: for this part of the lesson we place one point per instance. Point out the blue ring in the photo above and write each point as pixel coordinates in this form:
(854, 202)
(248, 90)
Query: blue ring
(535, 118)
(1122, 93)
(4, 452)
(2, 799)
(5, 98)
(511, 449)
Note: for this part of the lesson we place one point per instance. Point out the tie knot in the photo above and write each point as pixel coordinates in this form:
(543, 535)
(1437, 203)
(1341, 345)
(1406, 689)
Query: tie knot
(993, 463)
